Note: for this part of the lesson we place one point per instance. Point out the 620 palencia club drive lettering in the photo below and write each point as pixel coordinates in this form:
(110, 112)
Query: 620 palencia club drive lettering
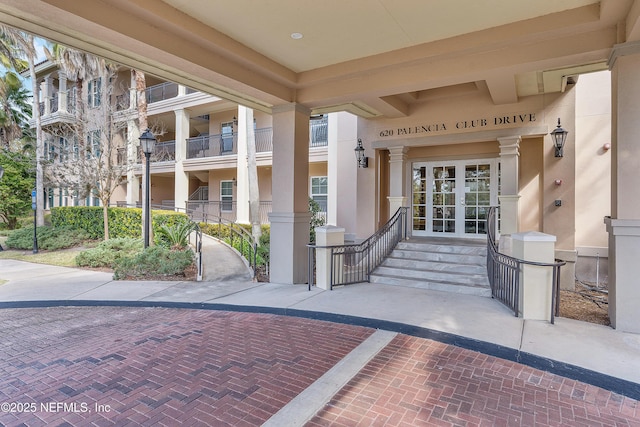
(462, 124)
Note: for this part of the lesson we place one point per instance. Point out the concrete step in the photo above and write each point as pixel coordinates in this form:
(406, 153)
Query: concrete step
(450, 257)
(443, 286)
(444, 276)
(450, 265)
(443, 265)
(426, 246)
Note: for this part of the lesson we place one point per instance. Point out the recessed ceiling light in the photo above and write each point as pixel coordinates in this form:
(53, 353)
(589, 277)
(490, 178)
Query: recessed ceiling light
(296, 36)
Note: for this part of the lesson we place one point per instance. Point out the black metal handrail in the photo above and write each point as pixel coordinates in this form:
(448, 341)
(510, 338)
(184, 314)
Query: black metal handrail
(198, 249)
(354, 263)
(504, 272)
(237, 234)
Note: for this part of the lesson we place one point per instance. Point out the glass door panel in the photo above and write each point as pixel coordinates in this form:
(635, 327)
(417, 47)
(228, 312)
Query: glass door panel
(477, 198)
(443, 198)
(419, 202)
(453, 198)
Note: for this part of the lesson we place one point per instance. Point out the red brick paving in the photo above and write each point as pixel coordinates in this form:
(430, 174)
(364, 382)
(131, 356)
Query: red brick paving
(418, 382)
(170, 367)
(160, 366)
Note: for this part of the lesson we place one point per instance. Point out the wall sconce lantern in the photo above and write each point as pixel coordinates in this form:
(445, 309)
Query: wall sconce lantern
(363, 161)
(559, 137)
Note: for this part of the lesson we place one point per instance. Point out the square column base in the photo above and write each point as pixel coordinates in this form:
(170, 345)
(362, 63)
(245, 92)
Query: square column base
(288, 247)
(624, 270)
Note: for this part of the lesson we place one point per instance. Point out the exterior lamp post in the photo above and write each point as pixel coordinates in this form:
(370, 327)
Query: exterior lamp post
(559, 136)
(147, 142)
(363, 161)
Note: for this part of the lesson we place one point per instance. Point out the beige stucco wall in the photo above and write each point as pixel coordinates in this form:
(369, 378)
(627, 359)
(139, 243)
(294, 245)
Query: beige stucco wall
(593, 162)
(468, 126)
(161, 189)
(531, 178)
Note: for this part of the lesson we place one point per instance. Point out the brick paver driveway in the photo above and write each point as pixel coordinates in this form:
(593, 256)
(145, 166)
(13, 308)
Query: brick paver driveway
(162, 366)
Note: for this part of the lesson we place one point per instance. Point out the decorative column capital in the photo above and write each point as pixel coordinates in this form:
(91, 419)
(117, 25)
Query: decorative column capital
(398, 154)
(510, 146)
(622, 49)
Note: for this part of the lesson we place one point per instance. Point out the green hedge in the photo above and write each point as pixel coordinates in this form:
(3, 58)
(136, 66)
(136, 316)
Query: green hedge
(123, 222)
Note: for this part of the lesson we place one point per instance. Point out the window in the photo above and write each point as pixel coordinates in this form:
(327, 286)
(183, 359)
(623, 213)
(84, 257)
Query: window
(227, 137)
(94, 90)
(226, 196)
(93, 144)
(64, 149)
(319, 191)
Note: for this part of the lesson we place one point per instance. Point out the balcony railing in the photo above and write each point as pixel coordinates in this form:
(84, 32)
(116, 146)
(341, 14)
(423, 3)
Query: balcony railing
(205, 210)
(53, 103)
(212, 146)
(166, 90)
(164, 152)
(220, 145)
(264, 140)
(318, 132)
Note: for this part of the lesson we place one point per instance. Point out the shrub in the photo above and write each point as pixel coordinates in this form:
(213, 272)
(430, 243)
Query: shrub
(155, 260)
(49, 238)
(123, 222)
(107, 252)
(175, 236)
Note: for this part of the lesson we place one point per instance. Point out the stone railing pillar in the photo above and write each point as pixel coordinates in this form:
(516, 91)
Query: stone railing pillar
(327, 235)
(536, 283)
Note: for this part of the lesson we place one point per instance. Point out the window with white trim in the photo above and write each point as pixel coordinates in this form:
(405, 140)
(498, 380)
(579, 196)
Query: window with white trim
(94, 92)
(319, 190)
(226, 196)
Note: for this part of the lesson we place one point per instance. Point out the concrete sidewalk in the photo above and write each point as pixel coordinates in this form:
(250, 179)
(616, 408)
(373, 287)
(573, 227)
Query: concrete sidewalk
(457, 319)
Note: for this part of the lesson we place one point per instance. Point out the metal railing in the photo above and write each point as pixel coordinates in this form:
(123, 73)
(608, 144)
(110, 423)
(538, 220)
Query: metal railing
(504, 272)
(166, 90)
(354, 263)
(319, 132)
(224, 209)
(212, 145)
(197, 233)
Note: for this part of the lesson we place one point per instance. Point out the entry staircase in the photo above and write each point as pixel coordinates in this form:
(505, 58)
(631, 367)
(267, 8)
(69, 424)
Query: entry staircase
(442, 264)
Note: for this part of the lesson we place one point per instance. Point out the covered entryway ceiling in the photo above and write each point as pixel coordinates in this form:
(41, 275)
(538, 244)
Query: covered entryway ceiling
(370, 57)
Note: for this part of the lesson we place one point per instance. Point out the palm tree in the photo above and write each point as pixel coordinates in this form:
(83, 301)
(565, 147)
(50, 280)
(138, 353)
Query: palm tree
(15, 110)
(15, 44)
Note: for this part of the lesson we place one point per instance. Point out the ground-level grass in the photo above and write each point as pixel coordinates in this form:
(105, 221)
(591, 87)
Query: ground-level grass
(62, 258)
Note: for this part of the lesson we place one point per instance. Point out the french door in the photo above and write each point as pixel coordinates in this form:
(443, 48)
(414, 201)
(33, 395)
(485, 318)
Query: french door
(452, 198)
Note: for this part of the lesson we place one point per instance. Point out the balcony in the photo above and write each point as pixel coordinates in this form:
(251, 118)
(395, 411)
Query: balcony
(212, 146)
(220, 145)
(56, 110)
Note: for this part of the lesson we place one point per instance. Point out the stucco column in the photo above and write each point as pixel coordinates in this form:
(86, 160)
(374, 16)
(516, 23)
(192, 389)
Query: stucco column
(62, 91)
(342, 171)
(509, 192)
(290, 217)
(46, 94)
(181, 181)
(624, 225)
(133, 180)
(242, 171)
(397, 179)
